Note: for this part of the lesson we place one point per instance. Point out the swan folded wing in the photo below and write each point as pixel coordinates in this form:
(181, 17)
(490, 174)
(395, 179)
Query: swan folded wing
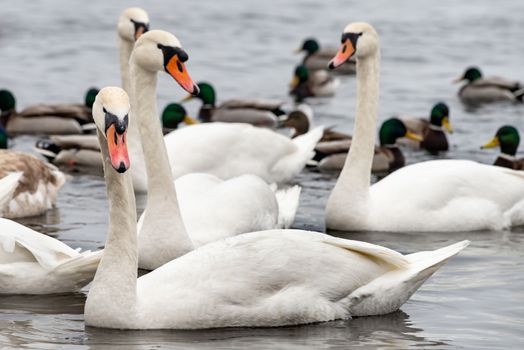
(373, 251)
(48, 252)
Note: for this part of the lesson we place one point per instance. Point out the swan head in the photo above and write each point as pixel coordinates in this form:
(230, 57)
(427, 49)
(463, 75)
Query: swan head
(471, 74)
(133, 22)
(440, 116)
(158, 50)
(393, 129)
(174, 114)
(111, 116)
(507, 137)
(358, 39)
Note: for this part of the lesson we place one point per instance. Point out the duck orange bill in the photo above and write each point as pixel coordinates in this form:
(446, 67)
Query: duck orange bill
(116, 143)
(178, 71)
(344, 53)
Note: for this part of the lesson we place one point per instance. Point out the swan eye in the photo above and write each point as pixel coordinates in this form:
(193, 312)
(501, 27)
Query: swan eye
(104, 110)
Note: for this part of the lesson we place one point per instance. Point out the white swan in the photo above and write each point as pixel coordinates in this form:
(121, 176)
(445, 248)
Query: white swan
(441, 195)
(36, 184)
(267, 278)
(211, 207)
(33, 263)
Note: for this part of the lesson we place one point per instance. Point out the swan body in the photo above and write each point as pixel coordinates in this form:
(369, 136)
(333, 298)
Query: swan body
(441, 195)
(37, 184)
(214, 209)
(33, 263)
(45, 118)
(228, 150)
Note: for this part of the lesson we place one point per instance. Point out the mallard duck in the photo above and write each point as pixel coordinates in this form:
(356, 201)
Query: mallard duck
(318, 58)
(437, 195)
(432, 130)
(306, 83)
(300, 121)
(254, 111)
(259, 279)
(45, 118)
(36, 186)
(388, 156)
(508, 138)
(478, 89)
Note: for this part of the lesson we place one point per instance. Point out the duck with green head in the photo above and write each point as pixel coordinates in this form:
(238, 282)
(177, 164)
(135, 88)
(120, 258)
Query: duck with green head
(306, 83)
(479, 89)
(508, 139)
(254, 111)
(432, 129)
(46, 118)
(317, 58)
(388, 156)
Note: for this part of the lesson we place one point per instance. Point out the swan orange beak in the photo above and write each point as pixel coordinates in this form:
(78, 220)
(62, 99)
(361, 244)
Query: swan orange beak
(116, 143)
(176, 68)
(346, 50)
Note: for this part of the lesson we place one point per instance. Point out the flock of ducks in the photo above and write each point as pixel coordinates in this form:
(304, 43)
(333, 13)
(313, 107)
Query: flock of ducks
(215, 231)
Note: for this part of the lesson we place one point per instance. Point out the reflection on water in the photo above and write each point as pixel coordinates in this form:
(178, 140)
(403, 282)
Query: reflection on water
(245, 49)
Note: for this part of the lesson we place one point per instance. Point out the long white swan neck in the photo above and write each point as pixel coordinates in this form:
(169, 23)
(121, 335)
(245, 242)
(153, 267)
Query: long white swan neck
(112, 296)
(126, 47)
(162, 223)
(356, 174)
(134, 144)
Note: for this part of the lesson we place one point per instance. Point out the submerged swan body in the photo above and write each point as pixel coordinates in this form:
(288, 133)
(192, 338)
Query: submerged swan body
(259, 279)
(441, 195)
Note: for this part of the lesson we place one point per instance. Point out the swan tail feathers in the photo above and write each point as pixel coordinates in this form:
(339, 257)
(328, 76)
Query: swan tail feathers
(80, 269)
(292, 164)
(288, 200)
(8, 186)
(390, 291)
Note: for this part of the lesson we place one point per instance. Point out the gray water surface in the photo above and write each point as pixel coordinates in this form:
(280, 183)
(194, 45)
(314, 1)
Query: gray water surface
(52, 51)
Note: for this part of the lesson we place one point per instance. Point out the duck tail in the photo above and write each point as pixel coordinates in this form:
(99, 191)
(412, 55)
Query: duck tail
(47, 148)
(8, 186)
(519, 95)
(288, 200)
(388, 292)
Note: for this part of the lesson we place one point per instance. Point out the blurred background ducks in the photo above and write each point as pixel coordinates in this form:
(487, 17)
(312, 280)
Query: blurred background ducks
(47, 118)
(508, 139)
(317, 58)
(479, 89)
(312, 83)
